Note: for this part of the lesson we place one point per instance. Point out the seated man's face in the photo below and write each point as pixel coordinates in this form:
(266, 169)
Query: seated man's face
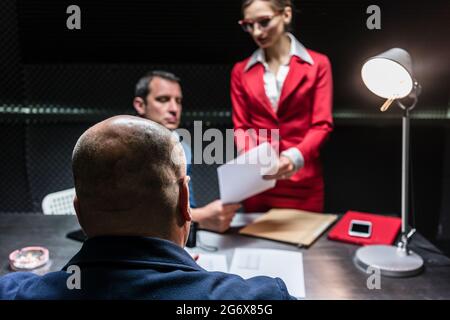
(163, 103)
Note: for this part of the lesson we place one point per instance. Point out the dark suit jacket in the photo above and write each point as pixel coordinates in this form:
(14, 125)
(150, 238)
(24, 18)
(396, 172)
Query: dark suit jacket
(138, 268)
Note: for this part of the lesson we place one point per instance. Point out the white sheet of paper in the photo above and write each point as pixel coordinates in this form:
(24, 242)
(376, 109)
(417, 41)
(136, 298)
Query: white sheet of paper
(213, 262)
(241, 178)
(286, 265)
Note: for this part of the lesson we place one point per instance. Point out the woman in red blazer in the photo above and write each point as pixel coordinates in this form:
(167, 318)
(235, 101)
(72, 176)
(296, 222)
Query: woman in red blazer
(287, 87)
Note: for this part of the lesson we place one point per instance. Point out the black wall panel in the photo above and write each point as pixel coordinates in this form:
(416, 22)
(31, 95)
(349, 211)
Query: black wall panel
(15, 195)
(11, 84)
(111, 87)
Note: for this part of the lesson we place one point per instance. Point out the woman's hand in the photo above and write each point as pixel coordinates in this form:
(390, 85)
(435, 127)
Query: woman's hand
(286, 169)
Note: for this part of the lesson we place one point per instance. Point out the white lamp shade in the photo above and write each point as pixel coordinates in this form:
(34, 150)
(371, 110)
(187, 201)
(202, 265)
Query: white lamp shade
(389, 74)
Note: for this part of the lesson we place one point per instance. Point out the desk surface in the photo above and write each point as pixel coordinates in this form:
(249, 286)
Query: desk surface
(328, 266)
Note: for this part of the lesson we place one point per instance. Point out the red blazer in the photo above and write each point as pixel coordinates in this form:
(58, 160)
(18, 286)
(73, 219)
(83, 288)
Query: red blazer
(304, 120)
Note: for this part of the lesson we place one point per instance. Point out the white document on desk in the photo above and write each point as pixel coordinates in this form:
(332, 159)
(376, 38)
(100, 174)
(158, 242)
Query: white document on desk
(286, 265)
(242, 178)
(213, 262)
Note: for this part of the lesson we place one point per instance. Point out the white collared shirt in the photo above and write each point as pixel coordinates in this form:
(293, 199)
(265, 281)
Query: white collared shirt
(273, 84)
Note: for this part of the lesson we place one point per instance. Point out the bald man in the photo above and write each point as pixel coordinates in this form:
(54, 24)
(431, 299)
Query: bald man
(132, 201)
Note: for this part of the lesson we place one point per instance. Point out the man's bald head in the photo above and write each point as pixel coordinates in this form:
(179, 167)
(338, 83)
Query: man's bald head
(127, 172)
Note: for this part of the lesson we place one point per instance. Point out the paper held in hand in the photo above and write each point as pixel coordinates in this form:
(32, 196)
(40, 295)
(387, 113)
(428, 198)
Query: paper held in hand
(242, 177)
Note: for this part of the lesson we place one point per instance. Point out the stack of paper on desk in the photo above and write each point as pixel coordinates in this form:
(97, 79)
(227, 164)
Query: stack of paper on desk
(213, 262)
(252, 262)
(242, 178)
(286, 265)
(292, 226)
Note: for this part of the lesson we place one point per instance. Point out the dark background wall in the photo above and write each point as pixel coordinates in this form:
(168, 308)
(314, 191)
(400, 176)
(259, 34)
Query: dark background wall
(56, 82)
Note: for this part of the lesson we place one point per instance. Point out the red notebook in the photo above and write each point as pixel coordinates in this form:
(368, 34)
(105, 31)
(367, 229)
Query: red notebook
(384, 229)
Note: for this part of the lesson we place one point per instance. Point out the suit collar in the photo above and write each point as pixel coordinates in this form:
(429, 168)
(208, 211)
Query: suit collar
(253, 81)
(133, 251)
(297, 49)
(255, 84)
(297, 75)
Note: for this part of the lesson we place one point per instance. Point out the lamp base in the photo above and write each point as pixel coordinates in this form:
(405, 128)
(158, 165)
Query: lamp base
(390, 260)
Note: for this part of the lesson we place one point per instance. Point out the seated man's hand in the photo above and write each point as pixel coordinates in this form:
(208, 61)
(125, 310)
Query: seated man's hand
(215, 216)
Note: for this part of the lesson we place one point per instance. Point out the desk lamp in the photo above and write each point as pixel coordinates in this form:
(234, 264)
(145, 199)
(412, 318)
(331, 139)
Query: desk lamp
(389, 75)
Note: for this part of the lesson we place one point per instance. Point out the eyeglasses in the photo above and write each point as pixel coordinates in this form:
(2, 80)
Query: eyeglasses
(262, 22)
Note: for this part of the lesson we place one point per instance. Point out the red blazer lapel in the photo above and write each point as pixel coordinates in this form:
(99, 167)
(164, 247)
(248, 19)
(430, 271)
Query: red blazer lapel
(254, 81)
(296, 76)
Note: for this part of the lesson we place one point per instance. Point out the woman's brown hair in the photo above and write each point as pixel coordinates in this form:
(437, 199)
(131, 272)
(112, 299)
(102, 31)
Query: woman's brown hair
(277, 5)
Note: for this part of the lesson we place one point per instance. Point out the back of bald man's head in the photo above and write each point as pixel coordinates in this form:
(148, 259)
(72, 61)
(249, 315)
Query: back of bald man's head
(126, 171)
